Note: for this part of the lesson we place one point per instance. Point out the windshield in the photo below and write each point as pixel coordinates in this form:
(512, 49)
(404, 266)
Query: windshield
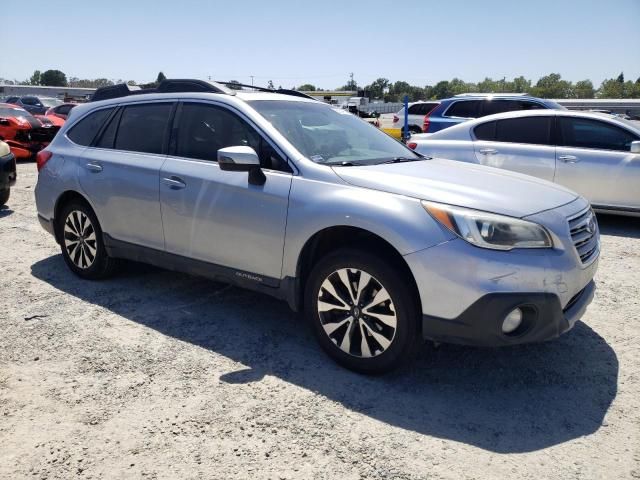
(51, 102)
(14, 112)
(331, 136)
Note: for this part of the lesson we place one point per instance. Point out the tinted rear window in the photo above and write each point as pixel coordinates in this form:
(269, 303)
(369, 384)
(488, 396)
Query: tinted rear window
(464, 109)
(532, 130)
(422, 108)
(86, 129)
(143, 127)
(485, 131)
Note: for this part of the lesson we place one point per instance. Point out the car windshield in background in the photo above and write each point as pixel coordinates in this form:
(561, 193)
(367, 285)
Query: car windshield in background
(14, 112)
(331, 136)
(51, 102)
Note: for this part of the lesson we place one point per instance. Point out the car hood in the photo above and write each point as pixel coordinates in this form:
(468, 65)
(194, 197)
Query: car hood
(462, 184)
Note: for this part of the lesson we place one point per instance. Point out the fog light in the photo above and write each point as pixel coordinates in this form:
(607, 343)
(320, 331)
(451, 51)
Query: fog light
(512, 321)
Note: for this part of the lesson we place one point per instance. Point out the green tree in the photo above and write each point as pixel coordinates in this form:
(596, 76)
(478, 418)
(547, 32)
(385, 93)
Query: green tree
(521, 85)
(270, 85)
(584, 89)
(161, 76)
(35, 79)
(552, 86)
(307, 87)
(377, 87)
(611, 88)
(53, 78)
(442, 90)
(620, 78)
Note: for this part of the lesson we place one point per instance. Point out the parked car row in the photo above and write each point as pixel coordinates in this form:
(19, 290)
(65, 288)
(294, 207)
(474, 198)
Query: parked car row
(433, 116)
(379, 245)
(594, 154)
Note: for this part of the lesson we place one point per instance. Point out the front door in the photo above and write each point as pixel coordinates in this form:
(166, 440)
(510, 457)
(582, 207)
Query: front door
(594, 159)
(218, 216)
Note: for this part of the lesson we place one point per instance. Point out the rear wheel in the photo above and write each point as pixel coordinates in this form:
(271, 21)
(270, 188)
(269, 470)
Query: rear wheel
(4, 196)
(362, 312)
(81, 242)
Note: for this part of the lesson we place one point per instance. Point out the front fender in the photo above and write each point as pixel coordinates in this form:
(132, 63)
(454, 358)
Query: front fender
(317, 205)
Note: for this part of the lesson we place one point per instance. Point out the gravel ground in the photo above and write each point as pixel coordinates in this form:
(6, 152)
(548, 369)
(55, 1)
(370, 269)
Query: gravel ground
(154, 374)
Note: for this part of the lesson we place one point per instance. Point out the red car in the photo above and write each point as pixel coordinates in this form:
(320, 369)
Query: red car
(61, 111)
(26, 134)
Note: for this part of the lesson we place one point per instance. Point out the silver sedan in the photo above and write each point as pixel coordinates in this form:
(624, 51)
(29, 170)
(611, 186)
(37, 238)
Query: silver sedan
(596, 155)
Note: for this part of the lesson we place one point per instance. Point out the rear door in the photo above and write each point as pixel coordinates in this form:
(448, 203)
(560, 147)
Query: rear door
(217, 216)
(120, 173)
(522, 144)
(594, 159)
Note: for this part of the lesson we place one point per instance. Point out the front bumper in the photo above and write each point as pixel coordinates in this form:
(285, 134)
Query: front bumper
(8, 173)
(466, 291)
(481, 323)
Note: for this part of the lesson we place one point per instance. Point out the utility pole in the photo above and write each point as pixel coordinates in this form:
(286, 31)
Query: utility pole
(251, 80)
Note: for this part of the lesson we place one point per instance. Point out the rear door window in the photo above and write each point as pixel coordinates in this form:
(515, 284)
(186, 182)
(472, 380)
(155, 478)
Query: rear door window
(490, 107)
(485, 131)
(86, 129)
(532, 130)
(588, 133)
(464, 109)
(143, 128)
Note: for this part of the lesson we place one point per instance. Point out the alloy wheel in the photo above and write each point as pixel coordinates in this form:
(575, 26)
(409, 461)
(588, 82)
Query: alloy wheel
(357, 313)
(80, 239)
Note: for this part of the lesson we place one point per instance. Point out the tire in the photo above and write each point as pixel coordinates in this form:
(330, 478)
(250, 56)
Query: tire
(390, 327)
(88, 257)
(4, 196)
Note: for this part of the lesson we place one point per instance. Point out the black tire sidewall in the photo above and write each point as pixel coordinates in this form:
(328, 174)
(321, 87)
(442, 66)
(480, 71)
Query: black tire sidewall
(4, 196)
(407, 336)
(101, 266)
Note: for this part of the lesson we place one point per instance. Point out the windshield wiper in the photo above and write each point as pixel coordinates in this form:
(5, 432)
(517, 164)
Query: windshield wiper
(401, 160)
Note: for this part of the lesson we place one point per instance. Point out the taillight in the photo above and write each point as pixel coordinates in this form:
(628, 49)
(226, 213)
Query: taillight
(425, 123)
(42, 158)
(396, 119)
(412, 145)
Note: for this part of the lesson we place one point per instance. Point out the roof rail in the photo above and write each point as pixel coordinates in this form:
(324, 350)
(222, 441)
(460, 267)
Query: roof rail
(281, 91)
(496, 94)
(166, 86)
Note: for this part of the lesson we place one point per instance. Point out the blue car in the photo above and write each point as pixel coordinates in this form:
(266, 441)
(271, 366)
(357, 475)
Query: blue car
(460, 108)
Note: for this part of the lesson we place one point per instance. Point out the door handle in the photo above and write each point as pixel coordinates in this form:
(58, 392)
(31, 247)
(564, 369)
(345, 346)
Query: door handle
(568, 158)
(174, 183)
(488, 151)
(94, 167)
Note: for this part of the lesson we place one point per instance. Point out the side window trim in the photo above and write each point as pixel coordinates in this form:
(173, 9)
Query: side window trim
(105, 125)
(165, 139)
(90, 112)
(561, 143)
(230, 108)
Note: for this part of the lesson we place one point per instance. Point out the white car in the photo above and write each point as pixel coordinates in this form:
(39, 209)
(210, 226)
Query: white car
(417, 112)
(594, 154)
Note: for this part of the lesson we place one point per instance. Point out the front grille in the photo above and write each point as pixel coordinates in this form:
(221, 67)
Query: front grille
(584, 234)
(44, 134)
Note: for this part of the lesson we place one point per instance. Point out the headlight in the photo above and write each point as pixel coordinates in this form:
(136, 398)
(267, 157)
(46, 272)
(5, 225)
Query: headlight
(488, 230)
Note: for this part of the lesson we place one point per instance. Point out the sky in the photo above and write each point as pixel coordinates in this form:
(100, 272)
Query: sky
(322, 42)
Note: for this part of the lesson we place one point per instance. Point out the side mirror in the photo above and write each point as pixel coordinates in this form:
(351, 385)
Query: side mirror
(242, 159)
(635, 147)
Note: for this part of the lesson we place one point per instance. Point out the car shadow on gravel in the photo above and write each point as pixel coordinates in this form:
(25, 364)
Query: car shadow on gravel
(506, 400)
(5, 211)
(619, 225)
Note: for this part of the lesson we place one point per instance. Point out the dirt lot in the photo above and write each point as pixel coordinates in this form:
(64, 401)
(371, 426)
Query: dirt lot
(154, 374)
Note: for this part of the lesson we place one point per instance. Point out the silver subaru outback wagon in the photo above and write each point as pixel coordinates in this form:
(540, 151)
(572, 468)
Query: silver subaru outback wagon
(380, 247)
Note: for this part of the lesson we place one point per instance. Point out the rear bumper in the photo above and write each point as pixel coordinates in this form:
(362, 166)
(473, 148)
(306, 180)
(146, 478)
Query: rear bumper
(481, 323)
(8, 173)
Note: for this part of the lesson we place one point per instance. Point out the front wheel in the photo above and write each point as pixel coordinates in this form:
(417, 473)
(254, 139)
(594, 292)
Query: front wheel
(362, 311)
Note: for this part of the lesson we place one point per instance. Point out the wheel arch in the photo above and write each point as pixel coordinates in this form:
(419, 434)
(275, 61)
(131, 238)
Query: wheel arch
(344, 236)
(64, 199)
